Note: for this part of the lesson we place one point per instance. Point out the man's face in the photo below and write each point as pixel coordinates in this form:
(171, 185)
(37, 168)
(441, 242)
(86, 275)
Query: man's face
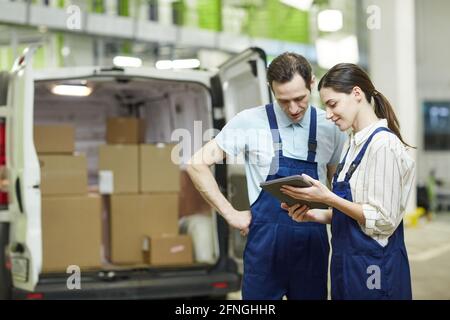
(293, 97)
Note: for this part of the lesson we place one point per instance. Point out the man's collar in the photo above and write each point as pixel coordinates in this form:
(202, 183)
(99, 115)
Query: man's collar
(284, 121)
(306, 118)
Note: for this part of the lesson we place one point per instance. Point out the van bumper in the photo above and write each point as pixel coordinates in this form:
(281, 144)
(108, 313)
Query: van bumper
(212, 284)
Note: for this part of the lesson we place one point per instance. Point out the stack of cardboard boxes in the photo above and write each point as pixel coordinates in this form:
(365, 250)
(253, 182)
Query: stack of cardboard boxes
(143, 183)
(71, 218)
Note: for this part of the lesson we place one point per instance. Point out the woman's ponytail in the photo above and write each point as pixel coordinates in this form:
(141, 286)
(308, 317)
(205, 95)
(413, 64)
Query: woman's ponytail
(384, 110)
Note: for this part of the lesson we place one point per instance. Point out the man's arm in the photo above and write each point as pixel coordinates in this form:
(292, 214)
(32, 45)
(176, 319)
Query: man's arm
(199, 171)
(331, 169)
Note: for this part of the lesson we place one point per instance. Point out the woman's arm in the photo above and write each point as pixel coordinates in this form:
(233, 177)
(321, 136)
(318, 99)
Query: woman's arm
(351, 209)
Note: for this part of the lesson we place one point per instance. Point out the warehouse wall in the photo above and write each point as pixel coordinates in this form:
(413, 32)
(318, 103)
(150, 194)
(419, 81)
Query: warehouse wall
(433, 78)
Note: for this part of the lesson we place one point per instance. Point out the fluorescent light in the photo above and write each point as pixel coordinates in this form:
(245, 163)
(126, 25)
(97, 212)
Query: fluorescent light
(333, 51)
(122, 61)
(186, 64)
(303, 5)
(164, 64)
(72, 90)
(330, 20)
(178, 64)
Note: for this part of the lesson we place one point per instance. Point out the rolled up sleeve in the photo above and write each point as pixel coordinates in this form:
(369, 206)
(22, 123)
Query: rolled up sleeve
(386, 191)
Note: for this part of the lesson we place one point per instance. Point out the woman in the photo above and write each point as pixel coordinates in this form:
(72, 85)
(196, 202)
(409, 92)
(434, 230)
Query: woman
(370, 192)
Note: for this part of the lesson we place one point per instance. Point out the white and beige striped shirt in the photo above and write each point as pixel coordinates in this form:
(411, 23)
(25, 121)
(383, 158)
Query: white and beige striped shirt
(382, 182)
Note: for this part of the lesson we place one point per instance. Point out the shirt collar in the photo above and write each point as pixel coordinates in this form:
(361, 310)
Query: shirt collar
(364, 134)
(284, 121)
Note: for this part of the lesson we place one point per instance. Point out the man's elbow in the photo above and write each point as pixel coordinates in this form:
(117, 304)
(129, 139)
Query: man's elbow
(194, 169)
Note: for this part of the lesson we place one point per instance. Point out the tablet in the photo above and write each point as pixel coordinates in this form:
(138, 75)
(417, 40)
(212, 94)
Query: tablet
(273, 187)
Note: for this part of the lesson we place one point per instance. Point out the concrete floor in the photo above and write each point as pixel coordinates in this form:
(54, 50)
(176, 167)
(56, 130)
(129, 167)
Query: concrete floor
(428, 246)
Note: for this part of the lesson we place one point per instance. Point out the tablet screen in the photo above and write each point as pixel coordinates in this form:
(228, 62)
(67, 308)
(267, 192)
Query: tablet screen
(273, 187)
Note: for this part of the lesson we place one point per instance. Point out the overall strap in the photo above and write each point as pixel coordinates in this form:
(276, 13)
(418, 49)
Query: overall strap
(361, 153)
(312, 140)
(276, 139)
(340, 166)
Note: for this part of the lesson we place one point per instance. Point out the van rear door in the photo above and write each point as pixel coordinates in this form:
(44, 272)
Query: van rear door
(239, 84)
(243, 81)
(25, 247)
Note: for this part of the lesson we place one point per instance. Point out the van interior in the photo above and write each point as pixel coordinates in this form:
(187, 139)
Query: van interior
(170, 110)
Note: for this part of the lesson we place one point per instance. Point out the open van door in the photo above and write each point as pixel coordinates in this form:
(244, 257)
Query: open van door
(239, 84)
(243, 82)
(25, 244)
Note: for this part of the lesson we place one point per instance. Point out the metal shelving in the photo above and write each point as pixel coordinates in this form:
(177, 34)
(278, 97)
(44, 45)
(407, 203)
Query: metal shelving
(55, 19)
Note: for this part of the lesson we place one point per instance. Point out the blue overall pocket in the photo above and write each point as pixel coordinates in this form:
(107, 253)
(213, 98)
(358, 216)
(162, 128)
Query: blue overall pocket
(364, 277)
(398, 276)
(260, 249)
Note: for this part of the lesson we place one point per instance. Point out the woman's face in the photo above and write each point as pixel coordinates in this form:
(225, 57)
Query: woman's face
(341, 108)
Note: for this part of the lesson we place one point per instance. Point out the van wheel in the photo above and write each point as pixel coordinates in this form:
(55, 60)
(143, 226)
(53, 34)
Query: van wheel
(5, 274)
(4, 79)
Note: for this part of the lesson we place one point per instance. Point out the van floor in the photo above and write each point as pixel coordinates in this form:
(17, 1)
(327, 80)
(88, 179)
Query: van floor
(428, 246)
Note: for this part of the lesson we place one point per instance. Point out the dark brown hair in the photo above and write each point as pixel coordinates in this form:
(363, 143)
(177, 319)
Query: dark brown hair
(343, 77)
(283, 68)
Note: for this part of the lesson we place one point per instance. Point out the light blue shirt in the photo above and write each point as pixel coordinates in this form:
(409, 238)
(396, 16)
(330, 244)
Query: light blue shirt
(248, 134)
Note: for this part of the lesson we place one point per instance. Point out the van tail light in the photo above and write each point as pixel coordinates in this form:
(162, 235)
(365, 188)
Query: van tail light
(3, 195)
(220, 285)
(35, 296)
(8, 264)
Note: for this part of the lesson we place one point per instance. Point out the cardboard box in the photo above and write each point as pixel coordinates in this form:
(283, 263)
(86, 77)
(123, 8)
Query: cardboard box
(190, 200)
(158, 172)
(71, 232)
(123, 130)
(63, 175)
(134, 218)
(54, 139)
(171, 250)
(122, 162)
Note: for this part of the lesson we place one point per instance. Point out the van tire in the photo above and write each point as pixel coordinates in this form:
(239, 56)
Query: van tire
(4, 80)
(5, 274)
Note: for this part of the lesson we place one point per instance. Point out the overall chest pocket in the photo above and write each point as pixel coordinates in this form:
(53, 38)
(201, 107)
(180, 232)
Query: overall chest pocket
(364, 277)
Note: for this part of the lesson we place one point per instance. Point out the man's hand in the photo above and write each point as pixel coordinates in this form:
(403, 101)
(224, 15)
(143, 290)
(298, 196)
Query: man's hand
(239, 220)
(299, 213)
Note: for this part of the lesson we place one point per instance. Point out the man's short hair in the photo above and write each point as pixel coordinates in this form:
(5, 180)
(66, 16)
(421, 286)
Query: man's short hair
(284, 67)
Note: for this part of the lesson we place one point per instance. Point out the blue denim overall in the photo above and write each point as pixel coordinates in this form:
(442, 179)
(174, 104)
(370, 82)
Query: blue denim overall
(360, 267)
(283, 257)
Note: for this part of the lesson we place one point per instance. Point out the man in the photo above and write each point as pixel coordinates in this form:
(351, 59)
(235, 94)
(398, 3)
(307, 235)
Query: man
(281, 258)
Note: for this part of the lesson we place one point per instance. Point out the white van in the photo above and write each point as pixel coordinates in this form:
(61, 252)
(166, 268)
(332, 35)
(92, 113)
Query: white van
(187, 96)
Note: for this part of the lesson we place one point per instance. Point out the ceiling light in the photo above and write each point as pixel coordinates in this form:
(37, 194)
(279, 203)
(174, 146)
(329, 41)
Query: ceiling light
(330, 20)
(186, 64)
(72, 90)
(164, 64)
(122, 61)
(333, 51)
